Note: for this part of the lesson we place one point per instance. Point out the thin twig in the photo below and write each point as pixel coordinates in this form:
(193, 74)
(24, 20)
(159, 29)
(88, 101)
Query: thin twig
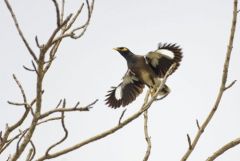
(33, 151)
(230, 85)
(1, 137)
(49, 43)
(28, 69)
(223, 149)
(59, 38)
(59, 103)
(120, 119)
(74, 17)
(9, 129)
(20, 31)
(198, 126)
(22, 90)
(57, 12)
(17, 136)
(84, 26)
(34, 67)
(62, 11)
(16, 103)
(22, 133)
(189, 142)
(56, 110)
(65, 133)
(147, 137)
(37, 43)
(222, 86)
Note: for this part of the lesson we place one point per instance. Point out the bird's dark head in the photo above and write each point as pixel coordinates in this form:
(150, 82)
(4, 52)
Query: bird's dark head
(125, 52)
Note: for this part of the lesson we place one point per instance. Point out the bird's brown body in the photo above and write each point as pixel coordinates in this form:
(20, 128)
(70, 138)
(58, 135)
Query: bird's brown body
(143, 70)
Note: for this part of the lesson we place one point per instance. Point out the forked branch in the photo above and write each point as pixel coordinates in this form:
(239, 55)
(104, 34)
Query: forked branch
(222, 87)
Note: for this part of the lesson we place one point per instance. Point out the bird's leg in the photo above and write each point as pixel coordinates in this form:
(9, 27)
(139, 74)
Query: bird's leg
(163, 92)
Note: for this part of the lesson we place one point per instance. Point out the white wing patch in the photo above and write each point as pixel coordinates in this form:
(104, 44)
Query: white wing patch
(118, 93)
(166, 52)
(145, 58)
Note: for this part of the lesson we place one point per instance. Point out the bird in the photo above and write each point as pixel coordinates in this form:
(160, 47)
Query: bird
(144, 70)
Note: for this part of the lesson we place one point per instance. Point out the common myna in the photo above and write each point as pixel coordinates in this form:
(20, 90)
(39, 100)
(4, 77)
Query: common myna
(143, 70)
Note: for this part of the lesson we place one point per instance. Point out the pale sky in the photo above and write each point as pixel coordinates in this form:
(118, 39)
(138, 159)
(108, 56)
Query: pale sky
(86, 68)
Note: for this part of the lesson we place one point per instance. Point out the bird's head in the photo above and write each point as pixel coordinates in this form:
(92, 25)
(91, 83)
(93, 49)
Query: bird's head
(125, 52)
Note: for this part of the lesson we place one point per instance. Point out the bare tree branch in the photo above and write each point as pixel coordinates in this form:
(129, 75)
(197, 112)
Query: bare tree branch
(9, 129)
(223, 149)
(74, 17)
(86, 108)
(144, 107)
(21, 89)
(33, 153)
(147, 137)
(49, 43)
(84, 27)
(41, 67)
(65, 132)
(222, 86)
(8, 142)
(57, 12)
(62, 11)
(20, 31)
(28, 69)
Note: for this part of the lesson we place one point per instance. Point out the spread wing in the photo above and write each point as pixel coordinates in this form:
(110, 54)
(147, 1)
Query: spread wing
(125, 92)
(160, 62)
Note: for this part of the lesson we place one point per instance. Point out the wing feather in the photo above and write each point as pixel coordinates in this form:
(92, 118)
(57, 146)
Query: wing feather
(160, 62)
(130, 88)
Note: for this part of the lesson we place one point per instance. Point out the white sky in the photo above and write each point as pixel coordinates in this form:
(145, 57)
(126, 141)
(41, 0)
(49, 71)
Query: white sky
(86, 68)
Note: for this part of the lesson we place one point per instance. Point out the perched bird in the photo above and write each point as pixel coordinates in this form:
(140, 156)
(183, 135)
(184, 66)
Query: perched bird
(143, 70)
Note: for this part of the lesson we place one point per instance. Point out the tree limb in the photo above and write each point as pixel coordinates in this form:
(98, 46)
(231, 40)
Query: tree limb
(147, 137)
(222, 86)
(223, 149)
(20, 32)
(56, 110)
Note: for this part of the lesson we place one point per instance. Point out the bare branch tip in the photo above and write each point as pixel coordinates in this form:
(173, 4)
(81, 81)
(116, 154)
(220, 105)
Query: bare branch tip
(230, 85)
(57, 12)
(37, 43)
(189, 142)
(59, 103)
(76, 104)
(28, 69)
(198, 126)
(120, 119)
(64, 103)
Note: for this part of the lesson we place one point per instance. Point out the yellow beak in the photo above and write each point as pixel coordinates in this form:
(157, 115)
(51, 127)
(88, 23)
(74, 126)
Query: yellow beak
(116, 49)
